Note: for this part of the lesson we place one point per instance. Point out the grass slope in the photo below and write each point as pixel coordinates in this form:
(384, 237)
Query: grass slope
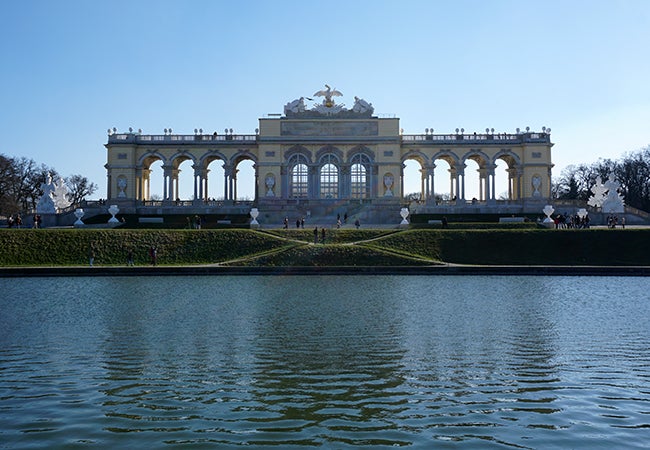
(337, 255)
(50, 247)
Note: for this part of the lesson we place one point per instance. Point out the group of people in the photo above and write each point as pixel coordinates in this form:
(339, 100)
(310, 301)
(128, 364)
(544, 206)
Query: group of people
(193, 224)
(300, 223)
(322, 235)
(571, 221)
(14, 221)
(612, 221)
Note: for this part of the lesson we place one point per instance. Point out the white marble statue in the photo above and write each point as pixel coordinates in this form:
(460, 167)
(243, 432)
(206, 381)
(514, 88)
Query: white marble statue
(613, 202)
(46, 203)
(599, 190)
(61, 192)
(295, 107)
(361, 106)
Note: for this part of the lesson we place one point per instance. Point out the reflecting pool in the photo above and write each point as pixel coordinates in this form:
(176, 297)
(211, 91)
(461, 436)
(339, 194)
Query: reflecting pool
(325, 361)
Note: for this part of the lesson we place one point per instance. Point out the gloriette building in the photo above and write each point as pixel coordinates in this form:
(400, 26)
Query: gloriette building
(326, 159)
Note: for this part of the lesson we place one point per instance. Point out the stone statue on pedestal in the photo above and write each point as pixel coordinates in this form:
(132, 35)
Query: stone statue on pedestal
(46, 203)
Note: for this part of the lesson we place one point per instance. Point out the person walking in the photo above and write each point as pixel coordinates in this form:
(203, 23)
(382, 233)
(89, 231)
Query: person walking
(315, 235)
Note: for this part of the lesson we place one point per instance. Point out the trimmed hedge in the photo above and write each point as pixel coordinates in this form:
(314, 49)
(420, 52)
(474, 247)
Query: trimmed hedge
(66, 247)
(50, 247)
(332, 235)
(597, 247)
(480, 226)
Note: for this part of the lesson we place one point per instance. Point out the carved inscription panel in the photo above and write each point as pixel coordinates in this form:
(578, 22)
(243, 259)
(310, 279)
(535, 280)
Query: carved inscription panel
(330, 128)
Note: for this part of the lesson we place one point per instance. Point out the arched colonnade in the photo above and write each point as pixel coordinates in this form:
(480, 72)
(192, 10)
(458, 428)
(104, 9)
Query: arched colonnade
(200, 164)
(457, 162)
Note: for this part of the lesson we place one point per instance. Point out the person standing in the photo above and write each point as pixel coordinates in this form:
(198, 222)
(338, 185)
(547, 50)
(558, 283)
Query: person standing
(315, 235)
(91, 256)
(129, 257)
(153, 254)
(322, 235)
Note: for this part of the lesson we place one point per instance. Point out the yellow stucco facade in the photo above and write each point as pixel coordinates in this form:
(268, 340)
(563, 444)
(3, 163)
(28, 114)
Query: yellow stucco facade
(331, 153)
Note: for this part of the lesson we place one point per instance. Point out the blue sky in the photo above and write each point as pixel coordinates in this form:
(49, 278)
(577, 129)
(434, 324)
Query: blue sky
(72, 69)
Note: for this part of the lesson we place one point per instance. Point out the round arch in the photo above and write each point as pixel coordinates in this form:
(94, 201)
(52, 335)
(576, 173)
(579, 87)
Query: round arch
(295, 150)
(510, 181)
(360, 150)
(451, 175)
(145, 161)
(475, 182)
(244, 163)
(329, 173)
(329, 150)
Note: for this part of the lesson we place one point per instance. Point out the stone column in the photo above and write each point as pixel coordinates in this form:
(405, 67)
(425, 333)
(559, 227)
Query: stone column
(313, 182)
(204, 183)
(257, 182)
(284, 182)
(168, 183)
(197, 182)
(138, 184)
(374, 176)
(511, 176)
(345, 181)
(227, 171)
(491, 186)
(234, 184)
(432, 174)
(461, 177)
(453, 187)
(424, 184)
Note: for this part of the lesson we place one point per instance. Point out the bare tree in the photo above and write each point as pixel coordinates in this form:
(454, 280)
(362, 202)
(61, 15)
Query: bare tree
(79, 188)
(633, 173)
(8, 199)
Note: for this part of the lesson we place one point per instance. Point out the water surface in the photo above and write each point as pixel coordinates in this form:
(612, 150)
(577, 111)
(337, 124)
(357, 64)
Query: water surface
(331, 362)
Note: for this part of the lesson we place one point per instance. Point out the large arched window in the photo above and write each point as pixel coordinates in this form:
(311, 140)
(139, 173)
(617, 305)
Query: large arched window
(299, 176)
(360, 181)
(329, 177)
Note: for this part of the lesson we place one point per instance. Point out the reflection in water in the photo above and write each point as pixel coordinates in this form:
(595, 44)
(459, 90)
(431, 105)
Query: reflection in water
(471, 362)
(330, 360)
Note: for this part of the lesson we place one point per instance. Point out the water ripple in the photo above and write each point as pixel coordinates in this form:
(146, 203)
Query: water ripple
(372, 362)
